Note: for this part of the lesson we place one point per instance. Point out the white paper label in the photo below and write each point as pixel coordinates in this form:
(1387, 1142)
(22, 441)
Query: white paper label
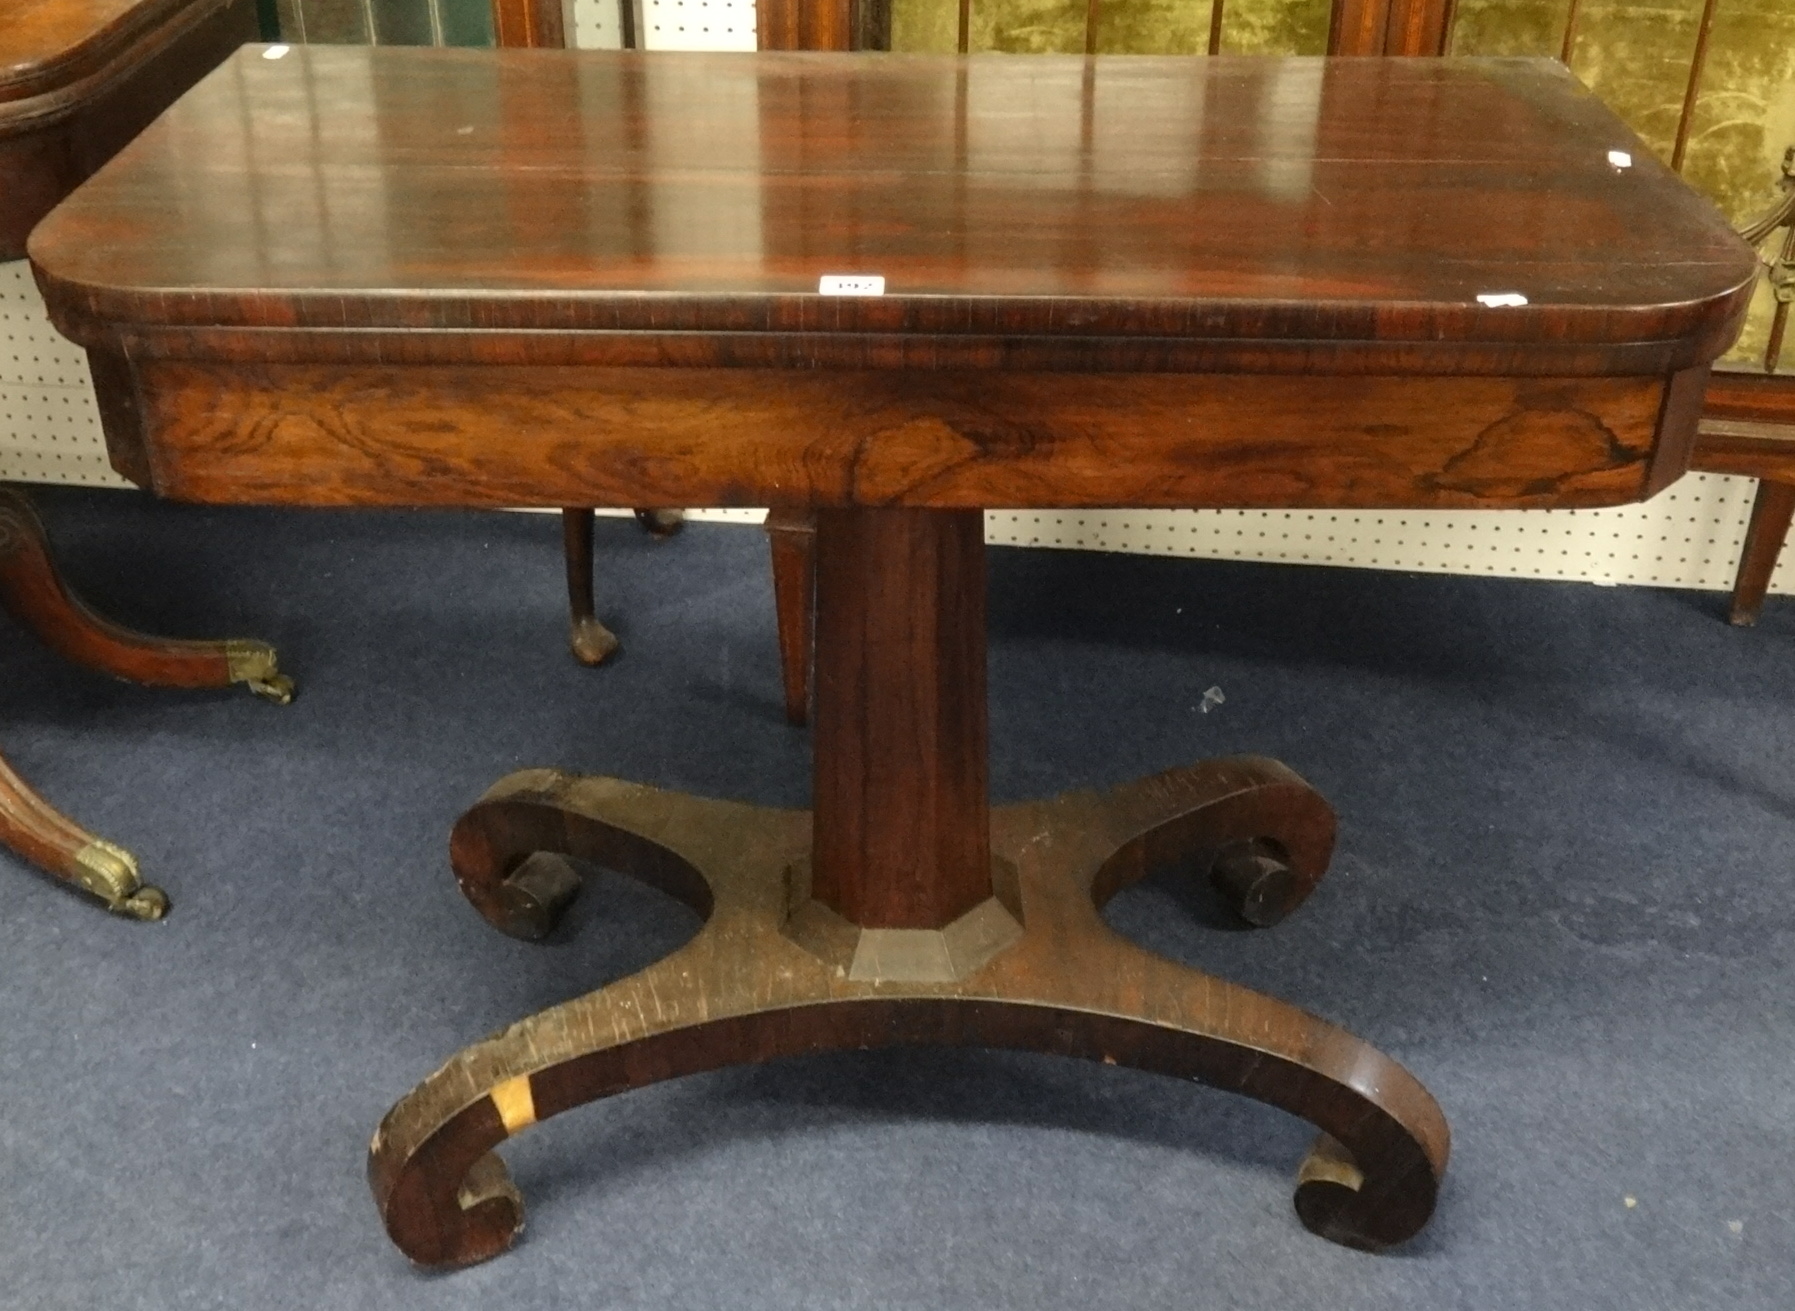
(275, 52)
(1497, 300)
(850, 284)
(1620, 159)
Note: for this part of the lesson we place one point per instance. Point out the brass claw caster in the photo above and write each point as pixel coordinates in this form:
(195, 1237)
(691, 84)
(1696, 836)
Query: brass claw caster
(253, 665)
(147, 903)
(110, 873)
(277, 688)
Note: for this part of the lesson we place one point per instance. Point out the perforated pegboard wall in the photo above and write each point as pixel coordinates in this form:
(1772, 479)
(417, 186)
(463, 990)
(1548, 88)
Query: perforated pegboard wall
(669, 24)
(49, 426)
(1689, 536)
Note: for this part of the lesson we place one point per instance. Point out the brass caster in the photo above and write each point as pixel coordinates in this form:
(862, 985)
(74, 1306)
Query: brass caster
(591, 641)
(277, 688)
(661, 523)
(110, 873)
(147, 904)
(253, 665)
(1255, 879)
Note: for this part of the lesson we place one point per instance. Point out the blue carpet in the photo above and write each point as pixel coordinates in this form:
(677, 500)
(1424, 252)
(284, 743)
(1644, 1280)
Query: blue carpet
(1561, 897)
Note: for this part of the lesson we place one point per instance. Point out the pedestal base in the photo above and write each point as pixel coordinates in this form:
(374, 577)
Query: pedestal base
(749, 988)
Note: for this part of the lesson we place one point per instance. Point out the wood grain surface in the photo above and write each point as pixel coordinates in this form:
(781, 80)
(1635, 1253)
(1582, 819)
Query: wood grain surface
(461, 191)
(533, 435)
(744, 990)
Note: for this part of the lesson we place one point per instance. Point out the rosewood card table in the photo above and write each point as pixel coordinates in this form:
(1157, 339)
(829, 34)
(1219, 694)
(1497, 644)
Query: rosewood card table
(352, 277)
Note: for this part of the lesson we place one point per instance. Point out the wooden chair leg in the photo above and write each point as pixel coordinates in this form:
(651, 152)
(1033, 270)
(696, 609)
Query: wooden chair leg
(36, 830)
(34, 593)
(1770, 516)
(591, 641)
(791, 535)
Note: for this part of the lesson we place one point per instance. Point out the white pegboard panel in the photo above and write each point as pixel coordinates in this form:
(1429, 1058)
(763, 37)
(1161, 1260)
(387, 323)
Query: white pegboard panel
(1688, 536)
(49, 423)
(597, 24)
(669, 24)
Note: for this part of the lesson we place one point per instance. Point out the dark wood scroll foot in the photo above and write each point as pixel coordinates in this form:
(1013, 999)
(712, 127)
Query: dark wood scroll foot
(46, 837)
(33, 591)
(1771, 514)
(746, 989)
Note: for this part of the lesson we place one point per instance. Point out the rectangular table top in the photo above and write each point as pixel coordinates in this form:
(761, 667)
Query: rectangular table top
(1301, 204)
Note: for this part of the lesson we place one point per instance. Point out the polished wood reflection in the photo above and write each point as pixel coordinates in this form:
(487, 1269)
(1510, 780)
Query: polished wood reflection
(428, 277)
(1232, 198)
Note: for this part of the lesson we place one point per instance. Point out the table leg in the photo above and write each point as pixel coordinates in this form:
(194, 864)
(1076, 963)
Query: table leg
(33, 591)
(791, 539)
(591, 641)
(46, 837)
(902, 910)
(1771, 513)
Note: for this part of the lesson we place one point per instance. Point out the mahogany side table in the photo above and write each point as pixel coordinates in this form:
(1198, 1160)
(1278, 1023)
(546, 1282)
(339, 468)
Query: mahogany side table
(555, 278)
(79, 79)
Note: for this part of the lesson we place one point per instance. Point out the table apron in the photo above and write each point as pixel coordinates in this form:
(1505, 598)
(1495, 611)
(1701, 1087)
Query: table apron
(515, 436)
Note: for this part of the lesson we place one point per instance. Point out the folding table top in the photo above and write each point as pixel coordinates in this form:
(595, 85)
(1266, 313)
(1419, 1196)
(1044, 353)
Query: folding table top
(1473, 211)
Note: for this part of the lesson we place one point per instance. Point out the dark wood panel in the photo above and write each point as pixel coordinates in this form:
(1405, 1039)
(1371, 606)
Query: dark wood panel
(903, 831)
(1751, 395)
(808, 24)
(46, 44)
(1756, 450)
(1389, 27)
(528, 23)
(557, 436)
(1274, 212)
(52, 140)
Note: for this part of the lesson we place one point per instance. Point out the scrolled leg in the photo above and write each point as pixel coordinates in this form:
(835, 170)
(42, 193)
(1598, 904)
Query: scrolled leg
(36, 830)
(1260, 834)
(33, 591)
(745, 990)
(505, 848)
